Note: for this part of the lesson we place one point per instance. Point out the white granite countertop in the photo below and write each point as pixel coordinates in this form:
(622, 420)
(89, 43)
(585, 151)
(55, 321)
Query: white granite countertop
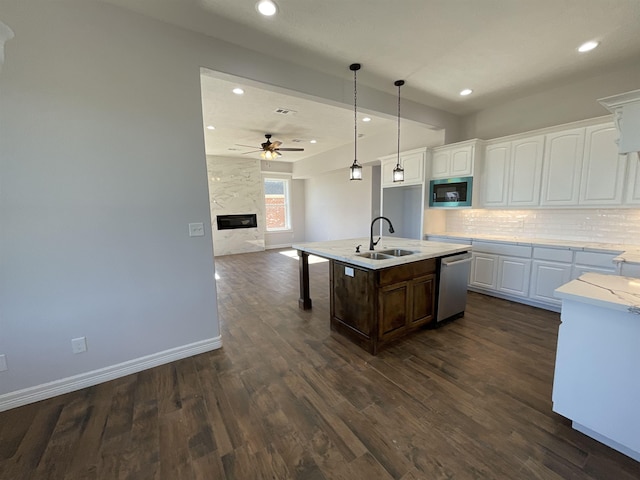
(345, 250)
(544, 242)
(609, 291)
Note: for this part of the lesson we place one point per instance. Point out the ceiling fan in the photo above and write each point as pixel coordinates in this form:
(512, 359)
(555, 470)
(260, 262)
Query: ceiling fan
(271, 150)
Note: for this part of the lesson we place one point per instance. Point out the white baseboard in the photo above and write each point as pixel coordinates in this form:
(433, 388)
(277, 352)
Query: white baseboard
(514, 298)
(70, 384)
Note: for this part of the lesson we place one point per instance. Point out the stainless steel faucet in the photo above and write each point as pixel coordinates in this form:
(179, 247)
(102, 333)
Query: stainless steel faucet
(371, 242)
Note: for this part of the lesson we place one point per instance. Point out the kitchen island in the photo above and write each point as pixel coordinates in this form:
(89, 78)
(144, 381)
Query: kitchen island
(375, 301)
(596, 383)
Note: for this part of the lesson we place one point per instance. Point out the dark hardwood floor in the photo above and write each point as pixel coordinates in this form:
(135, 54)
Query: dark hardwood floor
(285, 398)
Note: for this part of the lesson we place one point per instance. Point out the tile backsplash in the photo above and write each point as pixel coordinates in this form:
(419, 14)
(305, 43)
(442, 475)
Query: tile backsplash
(620, 226)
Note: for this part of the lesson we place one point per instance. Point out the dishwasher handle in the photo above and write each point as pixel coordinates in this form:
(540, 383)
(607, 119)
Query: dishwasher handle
(454, 260)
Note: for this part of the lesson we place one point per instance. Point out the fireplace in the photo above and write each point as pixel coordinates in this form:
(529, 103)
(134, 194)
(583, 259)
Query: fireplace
(229, 222)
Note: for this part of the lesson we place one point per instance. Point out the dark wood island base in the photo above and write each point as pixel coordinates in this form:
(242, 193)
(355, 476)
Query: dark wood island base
(375, 307)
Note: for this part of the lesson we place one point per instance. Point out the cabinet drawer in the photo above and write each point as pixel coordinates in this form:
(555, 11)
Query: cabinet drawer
(503, 249)
(406, 272)
(596, 259)
(553, 254)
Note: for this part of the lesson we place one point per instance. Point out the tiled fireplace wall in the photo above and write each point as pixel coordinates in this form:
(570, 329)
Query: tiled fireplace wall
(235, 187)
(620, 226)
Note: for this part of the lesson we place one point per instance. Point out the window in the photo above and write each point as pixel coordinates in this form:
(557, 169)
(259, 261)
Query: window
(277, 204)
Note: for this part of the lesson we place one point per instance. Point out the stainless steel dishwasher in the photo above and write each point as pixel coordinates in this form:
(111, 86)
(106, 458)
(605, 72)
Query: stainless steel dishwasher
(454, 277)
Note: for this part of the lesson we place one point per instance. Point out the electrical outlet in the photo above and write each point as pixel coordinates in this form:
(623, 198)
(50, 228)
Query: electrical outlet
(79, 345)
(3, 363)
(196, 230)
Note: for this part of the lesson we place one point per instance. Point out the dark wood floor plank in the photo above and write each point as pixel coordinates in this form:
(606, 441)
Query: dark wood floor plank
(285, 398)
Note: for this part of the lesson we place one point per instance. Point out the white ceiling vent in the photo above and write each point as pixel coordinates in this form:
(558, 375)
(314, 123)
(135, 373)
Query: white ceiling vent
(284, 111)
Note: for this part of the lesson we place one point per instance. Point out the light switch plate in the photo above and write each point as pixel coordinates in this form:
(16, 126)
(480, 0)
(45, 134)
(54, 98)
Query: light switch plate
(348, 271)
(196, 230)
(3, 363)
(79, 345)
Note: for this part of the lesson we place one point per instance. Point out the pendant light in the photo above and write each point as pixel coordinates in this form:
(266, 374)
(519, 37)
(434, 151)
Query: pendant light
(355, 169)
(398, 172)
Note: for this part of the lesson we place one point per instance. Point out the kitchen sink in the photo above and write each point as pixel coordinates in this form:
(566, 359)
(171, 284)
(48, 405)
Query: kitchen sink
(397, 252)
(375, 255)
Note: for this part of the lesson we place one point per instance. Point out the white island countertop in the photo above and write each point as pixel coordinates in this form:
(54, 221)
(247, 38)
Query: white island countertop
(345, 250)
(609, 291)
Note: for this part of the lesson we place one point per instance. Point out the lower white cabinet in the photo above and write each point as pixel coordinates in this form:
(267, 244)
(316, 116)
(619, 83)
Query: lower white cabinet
(513, 275)
(484, 271)
(598, 262)
(546, 276)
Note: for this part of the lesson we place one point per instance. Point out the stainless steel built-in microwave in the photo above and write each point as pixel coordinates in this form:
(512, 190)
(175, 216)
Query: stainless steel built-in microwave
(451, 192)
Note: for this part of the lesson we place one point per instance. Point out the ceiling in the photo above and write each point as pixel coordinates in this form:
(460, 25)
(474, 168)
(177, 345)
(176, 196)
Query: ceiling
(502, 49)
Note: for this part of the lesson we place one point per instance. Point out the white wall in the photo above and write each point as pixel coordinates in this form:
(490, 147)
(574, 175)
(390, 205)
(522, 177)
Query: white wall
(576, 100)
(102, 169)
(336, 207)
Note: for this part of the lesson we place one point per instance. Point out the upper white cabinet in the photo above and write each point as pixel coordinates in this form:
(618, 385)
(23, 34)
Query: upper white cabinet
(413, 163)
(626, 113)
(525, 176)
(633, 182)
(603, 169)
(562, 167)
(512, 173)
(455, 160)
(495, 175)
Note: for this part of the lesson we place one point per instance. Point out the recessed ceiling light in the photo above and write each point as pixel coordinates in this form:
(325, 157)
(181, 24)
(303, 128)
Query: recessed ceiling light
(210, 127)
(267, 7)
(366, 119)
(465, 92)
(238, 91)
(588, 46)
(313, 141)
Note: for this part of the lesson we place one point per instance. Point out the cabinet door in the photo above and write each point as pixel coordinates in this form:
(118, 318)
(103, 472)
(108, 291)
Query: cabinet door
(633, 180)
(484, 271)
(562, 167)
(423, 293)
(462, 161)
(413, 165)
(496, 174)
(440, 164)
(513, 275)
(526, 171)
(394, 307)
(546, 277)
(603, 169)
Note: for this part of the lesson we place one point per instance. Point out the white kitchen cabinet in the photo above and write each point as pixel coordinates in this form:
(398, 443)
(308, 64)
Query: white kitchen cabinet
(455, 160)
(562, 167)
(495, 175)
(412, 162)
(525, 174)
(546, 276)
(484, 271)
(603, 169)
(512, 173)
(599, 262)
(632, 196)
(513, 275)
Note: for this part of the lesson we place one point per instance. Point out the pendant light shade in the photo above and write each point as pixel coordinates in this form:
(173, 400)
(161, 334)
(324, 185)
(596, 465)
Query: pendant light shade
(398, 172)
(355, 171)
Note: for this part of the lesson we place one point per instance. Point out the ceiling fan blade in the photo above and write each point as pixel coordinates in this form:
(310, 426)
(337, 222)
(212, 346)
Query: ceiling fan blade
(252, 151)
(276, 144)
(249, 146)
(291, 149)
